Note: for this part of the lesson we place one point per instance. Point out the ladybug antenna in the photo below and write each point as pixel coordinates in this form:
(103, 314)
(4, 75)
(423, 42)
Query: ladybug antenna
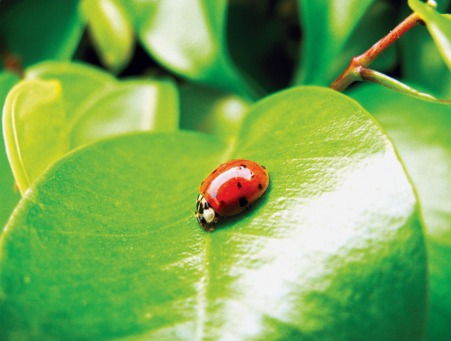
(194, 213)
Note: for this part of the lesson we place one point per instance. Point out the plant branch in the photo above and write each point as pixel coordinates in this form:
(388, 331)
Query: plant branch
(353, 72)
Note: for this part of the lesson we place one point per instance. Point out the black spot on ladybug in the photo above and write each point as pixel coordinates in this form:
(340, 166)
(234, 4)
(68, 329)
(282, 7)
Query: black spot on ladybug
(243, 201)
(244, 166)
(214, 171)
(252, 176)
(260, 186)
(239, 184)
(222, 202)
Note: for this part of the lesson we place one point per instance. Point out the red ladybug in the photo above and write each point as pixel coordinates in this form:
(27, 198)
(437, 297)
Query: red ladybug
(228, 190)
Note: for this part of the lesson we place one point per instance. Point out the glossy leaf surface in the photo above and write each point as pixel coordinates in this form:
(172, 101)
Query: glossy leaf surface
(129, 107)
(421, 133)
(103, 245)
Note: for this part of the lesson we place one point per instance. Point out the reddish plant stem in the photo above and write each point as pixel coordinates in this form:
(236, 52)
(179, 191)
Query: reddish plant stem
(353, 72)
(12, 63)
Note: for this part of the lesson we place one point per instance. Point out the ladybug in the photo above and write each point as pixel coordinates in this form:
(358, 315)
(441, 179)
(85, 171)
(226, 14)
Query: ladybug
(228, 190)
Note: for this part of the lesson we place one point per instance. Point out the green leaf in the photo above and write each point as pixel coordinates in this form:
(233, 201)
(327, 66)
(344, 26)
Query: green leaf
(34, 127)
(400, 87)
(38, 131)
(79, 81)
(103, 245)
(188, 37)
(328, 27)
(423, 64)
(111, 30)
(135, 105)
(439, 26)
(37, 30)
(211, 111)
(8, 195)
(421, 133)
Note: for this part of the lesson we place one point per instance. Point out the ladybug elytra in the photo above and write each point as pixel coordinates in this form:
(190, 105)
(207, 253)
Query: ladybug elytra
(228, 190)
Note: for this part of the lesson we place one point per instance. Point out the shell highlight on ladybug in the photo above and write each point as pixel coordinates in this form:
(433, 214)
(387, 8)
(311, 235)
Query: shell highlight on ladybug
(228, 190)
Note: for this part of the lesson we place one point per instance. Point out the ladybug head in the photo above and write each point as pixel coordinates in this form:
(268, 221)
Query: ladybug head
(206, 216)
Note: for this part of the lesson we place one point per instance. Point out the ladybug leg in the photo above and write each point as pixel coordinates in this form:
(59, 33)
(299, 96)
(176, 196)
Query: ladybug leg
(211, 226)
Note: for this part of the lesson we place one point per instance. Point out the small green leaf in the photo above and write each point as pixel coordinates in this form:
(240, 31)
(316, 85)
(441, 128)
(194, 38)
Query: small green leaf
(38, 30)
(423, 64)
(35, 129)
(188, 37)
(79, 81)
(400, 87)
(439, 26)
(132, 106)
(111, 30)
(421, 133)
(103, 245)
(8, 196)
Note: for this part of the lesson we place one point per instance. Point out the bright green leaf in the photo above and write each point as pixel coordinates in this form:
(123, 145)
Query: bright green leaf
(421, 133)
(188, 37)
(37, 30)
(111, 30)
(439, 26)
(78, 81)
(132, 106)
(328, 27)
(34, 127)
(8, 195)
(103, 245)
(38, 130)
